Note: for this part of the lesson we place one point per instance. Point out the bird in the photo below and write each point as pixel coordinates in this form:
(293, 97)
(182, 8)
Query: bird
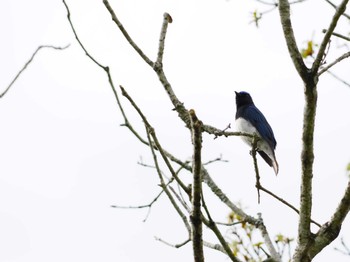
(249, 119)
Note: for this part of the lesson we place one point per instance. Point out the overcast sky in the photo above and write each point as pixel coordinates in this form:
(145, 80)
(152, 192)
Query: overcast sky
(65, 159)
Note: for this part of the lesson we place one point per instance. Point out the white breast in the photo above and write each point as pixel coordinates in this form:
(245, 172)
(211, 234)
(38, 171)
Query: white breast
(245, 126)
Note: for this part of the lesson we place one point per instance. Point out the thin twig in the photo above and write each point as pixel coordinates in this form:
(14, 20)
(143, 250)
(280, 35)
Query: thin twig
(338, 35)
(77, 38)
(150, 130)
(149, 206)
(342, 57)
(321, 51)
(155, 139)
(335, 7)
(28, 62)
(285, 202)
(338, 78)
(107, 71)
(346, 250)
(172, 245)
(218, 159)
(229, 224)
(181, 200)
(126, 35)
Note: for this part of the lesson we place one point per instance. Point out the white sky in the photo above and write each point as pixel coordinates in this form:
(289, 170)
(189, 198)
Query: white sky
(65, 160)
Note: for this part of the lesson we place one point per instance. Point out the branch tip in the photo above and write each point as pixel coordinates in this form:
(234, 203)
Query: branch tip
(168, 18)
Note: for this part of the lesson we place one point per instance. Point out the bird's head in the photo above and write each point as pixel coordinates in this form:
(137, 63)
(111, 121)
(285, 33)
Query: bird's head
(243, 98)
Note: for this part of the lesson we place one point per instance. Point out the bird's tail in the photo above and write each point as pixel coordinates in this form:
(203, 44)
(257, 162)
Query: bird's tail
(275, 166)
(270, 161)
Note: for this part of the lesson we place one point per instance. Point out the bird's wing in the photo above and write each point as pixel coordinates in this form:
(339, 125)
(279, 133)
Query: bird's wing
(257, 119)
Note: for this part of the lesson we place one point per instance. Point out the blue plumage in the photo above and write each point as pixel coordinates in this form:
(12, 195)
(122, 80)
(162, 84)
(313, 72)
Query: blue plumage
(249, 119)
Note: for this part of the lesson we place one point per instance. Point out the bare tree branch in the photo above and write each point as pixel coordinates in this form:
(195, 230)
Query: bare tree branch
(310, 79)
(107, 71)
(308, 131)
(329, 231)
(155, 140)
(284, 10)
(181, 200)
(28, 62)
(321, 51)
(166, 21)
(196, 221)
(211, 224)
(274, 254)
(150, 131)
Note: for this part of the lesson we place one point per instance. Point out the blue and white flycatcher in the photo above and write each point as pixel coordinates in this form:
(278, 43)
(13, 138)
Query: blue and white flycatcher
(250, 120)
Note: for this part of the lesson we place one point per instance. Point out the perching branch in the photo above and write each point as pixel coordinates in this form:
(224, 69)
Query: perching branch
(260, 187)
(255, 162)
(28, 62)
